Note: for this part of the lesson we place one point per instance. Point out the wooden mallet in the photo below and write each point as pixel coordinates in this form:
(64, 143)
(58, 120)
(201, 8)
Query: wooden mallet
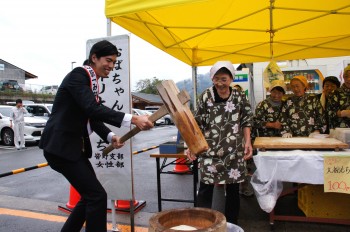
(182, 117)
(162, 111)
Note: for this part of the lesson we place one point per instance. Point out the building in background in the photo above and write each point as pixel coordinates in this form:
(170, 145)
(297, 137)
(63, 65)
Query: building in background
(9, 71)
(141, 100)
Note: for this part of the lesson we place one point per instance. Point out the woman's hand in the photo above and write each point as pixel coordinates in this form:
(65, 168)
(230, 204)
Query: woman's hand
(248, 151)
(287, 135)
(343, 113)
(276, 125)
(190, 155)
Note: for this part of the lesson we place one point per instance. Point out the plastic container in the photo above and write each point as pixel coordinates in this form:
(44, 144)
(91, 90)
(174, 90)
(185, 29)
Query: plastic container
(170, 148)
(314, 202)
(343, 134)
(233, 228)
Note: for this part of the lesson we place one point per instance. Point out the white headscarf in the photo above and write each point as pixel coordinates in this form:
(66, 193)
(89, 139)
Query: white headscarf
(220, 64)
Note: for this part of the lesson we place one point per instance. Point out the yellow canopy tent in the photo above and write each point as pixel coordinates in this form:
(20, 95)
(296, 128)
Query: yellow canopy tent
(200, 32)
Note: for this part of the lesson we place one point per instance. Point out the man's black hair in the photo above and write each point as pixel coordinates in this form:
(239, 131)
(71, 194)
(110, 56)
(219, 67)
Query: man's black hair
(102, 48)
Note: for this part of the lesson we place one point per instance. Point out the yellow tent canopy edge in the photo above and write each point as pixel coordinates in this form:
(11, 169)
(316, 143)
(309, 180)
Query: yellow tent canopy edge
(115, 8)
(200, 33)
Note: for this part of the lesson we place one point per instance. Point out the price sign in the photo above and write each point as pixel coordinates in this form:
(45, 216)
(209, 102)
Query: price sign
(337, 174)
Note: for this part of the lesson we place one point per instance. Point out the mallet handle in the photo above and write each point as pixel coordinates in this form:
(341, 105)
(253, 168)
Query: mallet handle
(162, 111)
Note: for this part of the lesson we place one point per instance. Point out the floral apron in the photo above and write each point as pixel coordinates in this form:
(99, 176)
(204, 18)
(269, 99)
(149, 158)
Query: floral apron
(223, 162)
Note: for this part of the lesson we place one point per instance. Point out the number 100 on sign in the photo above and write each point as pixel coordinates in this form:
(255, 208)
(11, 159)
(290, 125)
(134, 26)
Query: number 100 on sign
(336, 186)
(337, 174)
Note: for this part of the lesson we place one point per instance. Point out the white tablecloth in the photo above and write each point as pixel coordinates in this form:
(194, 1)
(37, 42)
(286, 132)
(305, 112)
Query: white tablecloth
(297, 166)
(275, 167)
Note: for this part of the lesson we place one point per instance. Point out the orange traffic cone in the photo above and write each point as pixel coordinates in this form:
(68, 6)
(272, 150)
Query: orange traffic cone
(74, 198)
(181, 165)
(124, 204)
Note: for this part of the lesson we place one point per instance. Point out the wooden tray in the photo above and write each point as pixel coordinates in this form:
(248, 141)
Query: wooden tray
(276, 143)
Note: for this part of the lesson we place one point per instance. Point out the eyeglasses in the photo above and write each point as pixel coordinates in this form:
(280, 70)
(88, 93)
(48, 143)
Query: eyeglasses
(218, 80)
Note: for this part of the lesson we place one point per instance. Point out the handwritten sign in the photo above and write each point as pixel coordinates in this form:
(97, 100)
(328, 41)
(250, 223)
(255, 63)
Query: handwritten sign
(337, 174)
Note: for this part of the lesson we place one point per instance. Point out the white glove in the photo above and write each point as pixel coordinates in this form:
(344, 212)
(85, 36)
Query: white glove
(287, 135)
(318, 135)
(314, 134)
(332, 133)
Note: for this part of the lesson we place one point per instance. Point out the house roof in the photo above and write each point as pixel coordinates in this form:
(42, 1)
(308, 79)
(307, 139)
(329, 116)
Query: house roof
(149, 98)
(27, 74)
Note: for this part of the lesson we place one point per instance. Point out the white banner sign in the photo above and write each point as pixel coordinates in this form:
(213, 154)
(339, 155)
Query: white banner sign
(114, 169)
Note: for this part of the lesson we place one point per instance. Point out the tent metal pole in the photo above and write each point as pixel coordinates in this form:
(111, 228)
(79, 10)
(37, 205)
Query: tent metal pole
(194, 86)
(109, 27)
(271, 28)
(114, 221)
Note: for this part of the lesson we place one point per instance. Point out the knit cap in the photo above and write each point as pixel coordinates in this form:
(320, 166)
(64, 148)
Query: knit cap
(302, 79)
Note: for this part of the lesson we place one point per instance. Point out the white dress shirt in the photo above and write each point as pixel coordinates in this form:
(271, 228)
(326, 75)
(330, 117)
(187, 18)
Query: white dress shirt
(126, 122)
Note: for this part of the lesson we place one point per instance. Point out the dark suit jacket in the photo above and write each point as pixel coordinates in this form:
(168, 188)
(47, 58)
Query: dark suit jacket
(66, 134)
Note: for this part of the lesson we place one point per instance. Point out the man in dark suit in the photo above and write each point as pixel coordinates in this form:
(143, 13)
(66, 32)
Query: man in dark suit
(65, 139)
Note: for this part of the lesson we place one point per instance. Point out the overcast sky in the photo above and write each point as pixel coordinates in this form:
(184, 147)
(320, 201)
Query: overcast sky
(44, 37)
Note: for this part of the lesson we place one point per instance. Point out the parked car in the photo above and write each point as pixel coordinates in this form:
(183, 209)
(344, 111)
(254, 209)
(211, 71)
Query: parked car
(24, 103)
(50, 89)
(168, 120)
(145, 112)
(11, 85)
(39, 110)
(152, 108)
(33, 127)
(160, 121)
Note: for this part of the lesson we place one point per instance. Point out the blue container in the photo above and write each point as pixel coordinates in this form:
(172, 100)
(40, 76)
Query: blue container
(170, 148)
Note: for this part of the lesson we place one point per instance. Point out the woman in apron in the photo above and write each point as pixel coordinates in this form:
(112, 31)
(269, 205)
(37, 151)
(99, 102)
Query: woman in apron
(267, 113)
(224, 116)
(302, 115)
(338, 107)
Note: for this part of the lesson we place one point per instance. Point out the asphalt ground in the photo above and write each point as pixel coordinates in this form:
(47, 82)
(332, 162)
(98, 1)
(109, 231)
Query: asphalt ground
(23, 214)
(29, 201)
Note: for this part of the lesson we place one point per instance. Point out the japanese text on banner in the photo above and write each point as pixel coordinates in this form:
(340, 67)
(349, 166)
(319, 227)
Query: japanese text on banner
(114, 170)
(110, 161)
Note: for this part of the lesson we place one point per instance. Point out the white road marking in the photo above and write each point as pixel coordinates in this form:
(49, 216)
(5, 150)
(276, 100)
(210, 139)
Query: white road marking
(7, 148)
